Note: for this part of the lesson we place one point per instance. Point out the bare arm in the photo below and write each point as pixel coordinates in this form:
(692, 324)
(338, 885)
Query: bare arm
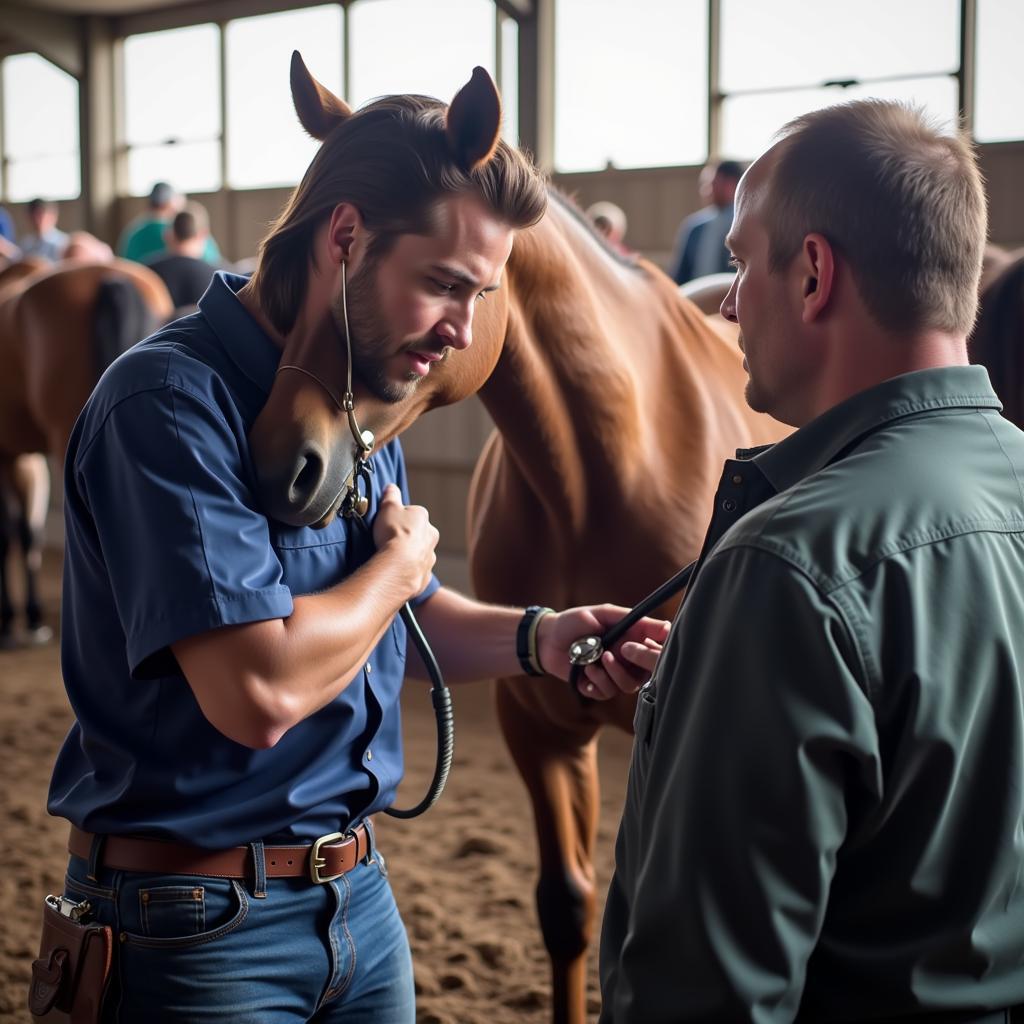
(472, 640)
(254, 682)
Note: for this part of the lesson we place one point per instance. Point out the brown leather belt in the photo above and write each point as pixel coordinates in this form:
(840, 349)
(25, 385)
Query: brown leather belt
(327, 858)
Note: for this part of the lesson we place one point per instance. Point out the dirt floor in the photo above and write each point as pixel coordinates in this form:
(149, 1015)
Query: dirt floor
(468, 904)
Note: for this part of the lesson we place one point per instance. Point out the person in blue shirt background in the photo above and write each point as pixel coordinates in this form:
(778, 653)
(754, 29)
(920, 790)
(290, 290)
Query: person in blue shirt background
(8, 246)
(235, 680)
(45, 240)
(700, 247)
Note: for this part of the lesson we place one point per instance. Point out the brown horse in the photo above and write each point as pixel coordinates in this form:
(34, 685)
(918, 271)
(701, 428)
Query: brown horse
(59, 328)
(615, 403)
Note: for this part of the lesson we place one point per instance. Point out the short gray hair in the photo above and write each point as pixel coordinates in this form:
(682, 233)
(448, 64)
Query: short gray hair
(902, 202)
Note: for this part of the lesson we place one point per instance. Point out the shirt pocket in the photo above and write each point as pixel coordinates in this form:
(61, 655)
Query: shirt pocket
(312, 560)
(643, 731)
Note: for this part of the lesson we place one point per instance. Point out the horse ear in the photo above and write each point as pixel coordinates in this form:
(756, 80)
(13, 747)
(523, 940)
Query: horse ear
(318, 108)
(473, 125)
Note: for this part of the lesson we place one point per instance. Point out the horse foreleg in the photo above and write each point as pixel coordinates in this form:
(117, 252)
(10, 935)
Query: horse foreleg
(560, 773)
(6, 607)
(8, 503)
(32, 484)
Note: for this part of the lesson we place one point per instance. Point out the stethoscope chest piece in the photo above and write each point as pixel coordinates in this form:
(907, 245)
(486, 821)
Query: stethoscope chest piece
(586, 651)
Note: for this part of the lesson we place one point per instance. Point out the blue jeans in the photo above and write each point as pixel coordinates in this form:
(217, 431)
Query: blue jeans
(200, 949)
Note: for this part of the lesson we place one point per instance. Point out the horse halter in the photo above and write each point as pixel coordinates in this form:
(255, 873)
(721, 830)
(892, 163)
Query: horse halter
(351, 501)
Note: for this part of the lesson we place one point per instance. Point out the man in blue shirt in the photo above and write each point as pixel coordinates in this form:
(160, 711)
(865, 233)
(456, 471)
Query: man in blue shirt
(700, 247)
(235, 680)
(45, 240)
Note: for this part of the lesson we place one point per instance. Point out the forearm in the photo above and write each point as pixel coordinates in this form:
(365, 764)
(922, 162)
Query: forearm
(470, 640)
(315, 652)
(254, 682)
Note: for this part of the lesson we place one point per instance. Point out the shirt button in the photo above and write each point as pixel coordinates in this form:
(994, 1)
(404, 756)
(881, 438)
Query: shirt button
(369, 668)
(737, 479)
(729, 505)
(369, 755)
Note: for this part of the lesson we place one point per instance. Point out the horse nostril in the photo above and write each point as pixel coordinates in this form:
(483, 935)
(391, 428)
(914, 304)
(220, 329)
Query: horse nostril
(309, 472)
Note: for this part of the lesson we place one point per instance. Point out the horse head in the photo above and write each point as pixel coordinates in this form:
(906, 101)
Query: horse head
(305, 443)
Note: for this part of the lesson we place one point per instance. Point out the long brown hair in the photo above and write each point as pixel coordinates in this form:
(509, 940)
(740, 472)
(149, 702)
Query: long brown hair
(392, 161)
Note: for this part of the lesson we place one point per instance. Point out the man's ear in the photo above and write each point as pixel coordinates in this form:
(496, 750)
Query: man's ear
(817, 268)
(345, 232)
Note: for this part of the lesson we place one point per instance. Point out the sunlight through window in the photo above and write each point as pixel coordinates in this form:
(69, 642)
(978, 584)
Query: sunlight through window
(172, 119)
(777, 63)
(434, 53)
(265, 144)
(630, 83)
(509, 84)
(40, 130)
(999, 100)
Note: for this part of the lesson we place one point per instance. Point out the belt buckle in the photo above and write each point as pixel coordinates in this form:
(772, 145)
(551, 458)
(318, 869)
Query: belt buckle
(316, 862)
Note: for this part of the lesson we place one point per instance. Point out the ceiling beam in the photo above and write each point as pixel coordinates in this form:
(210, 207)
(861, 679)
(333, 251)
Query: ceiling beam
(198, 12)
(57, 37)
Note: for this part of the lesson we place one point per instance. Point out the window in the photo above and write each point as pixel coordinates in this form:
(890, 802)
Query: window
(434, 53)
(509, 84)
(777, 62)
(998, 110)
(266, 145)
(172, 109)
(749, 123)
(630, 83)
(40, 130)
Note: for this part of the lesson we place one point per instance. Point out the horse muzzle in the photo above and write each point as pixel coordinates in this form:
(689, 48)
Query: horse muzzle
(306, 488)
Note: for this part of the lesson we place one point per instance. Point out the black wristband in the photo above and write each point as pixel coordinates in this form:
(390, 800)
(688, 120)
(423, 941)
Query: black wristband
(523, 652)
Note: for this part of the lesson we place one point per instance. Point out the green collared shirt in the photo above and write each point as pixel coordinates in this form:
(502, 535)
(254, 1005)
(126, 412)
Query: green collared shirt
(825, 812)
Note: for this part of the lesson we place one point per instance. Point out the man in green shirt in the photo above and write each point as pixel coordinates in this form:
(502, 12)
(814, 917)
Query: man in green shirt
(145, 237)
(825, 813)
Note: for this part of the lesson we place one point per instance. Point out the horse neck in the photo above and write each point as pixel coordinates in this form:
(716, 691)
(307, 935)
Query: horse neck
(567, 392)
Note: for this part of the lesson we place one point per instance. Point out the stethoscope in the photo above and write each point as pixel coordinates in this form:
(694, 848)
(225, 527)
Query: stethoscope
(588, 649)
(353, 502)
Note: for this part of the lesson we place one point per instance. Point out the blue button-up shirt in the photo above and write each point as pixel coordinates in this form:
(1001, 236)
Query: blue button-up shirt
(165, 540)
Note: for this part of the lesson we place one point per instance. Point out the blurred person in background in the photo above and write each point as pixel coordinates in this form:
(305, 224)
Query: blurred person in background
(182, 267)
(45, 239)
(144, 237)
(700, 242)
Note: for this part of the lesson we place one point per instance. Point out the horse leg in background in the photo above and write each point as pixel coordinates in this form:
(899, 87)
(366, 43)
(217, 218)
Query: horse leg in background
(8, 516)
(31, 482)
(560, 773)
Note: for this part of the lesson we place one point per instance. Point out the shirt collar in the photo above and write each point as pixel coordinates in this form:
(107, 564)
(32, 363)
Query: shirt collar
(248, 345)
(821, 441)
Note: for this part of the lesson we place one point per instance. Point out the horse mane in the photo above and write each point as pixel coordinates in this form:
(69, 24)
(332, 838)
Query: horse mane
(566, 202)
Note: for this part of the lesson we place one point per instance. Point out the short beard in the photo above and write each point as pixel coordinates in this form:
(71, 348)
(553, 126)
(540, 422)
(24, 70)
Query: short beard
(371, 345)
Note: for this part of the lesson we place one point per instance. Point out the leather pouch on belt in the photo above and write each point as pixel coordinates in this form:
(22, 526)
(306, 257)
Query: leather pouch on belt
(69, 980)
